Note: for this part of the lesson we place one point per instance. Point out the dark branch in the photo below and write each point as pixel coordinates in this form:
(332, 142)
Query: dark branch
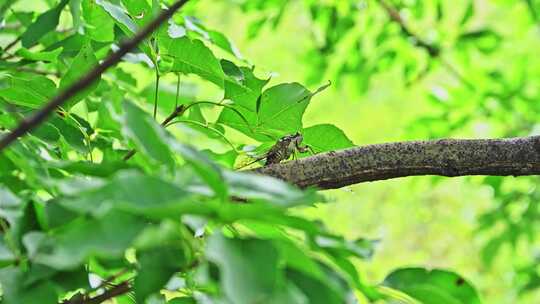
(12, 44)
(115, 291)
(39, 116)
(445, 157)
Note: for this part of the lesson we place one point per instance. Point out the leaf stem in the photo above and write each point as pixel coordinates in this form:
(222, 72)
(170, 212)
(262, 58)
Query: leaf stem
(177, 91)
(156, 93)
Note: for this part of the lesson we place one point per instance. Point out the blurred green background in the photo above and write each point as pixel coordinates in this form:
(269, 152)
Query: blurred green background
(386, 89)
(424, 220)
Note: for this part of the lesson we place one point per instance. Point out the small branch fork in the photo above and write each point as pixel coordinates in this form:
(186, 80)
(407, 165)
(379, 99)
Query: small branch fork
(39, 116)
(445, 157)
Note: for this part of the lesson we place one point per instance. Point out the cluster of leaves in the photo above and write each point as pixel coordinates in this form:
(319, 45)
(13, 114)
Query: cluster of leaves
(356, 40)
(502, 96)
(503, 100)
(82, 223)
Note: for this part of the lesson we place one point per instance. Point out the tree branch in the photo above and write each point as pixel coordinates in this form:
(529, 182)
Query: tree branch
(118, 290)
(39, 116)
(445, 157)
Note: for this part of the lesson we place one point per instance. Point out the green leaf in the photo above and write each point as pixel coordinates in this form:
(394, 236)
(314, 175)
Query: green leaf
(75, 10)
(278, 112)
(226, 159)
(207, 170)
(6, 255)
(148, 136)
(282, 107)
(103, 169)
(191, 56)
(485, 40)
(360, 248)
(243, 120)
(131, 191)
(71, 133)
(232, 70)
(29, 90)
(129, 26)
(15, 290)
(85, 61)
(157, 265)
(140, 10)
(47, 132)
(4, 6)
(182, 300)
(136, 7)
(71, 246)
(98, 24)
(298, 259)
(119, 15)
(73, 44)
(71, 280)
(317, 291)
(249, 268)
(492, 247)
(25, 18)
(469, 12)
(259, 187)
(326, 137)
(242, 86)
(51, 56)
(433, 286)
(225, 43)
(8, 199)
(45, 23)
(57, 215)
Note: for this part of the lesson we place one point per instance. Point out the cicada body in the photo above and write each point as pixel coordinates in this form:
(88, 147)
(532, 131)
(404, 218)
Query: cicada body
(283, 149)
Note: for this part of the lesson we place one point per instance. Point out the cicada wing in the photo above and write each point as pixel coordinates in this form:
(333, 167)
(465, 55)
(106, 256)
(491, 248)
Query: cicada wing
(248, 161)
(253, 155)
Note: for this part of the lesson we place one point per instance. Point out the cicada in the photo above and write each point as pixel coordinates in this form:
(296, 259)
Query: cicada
(283, 149)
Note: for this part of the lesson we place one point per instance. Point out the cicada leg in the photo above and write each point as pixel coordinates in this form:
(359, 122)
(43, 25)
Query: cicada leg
(306, 148)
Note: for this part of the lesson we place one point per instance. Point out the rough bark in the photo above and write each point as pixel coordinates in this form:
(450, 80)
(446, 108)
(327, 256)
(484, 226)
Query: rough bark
(445, 157)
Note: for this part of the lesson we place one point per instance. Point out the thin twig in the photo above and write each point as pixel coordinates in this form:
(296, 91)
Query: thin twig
(39, 116)
(108, 281)
(434, 52)
(8, 56)
(12, 44)
(118, 290)
(456, 73)
(156, 93)
(177, 92)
